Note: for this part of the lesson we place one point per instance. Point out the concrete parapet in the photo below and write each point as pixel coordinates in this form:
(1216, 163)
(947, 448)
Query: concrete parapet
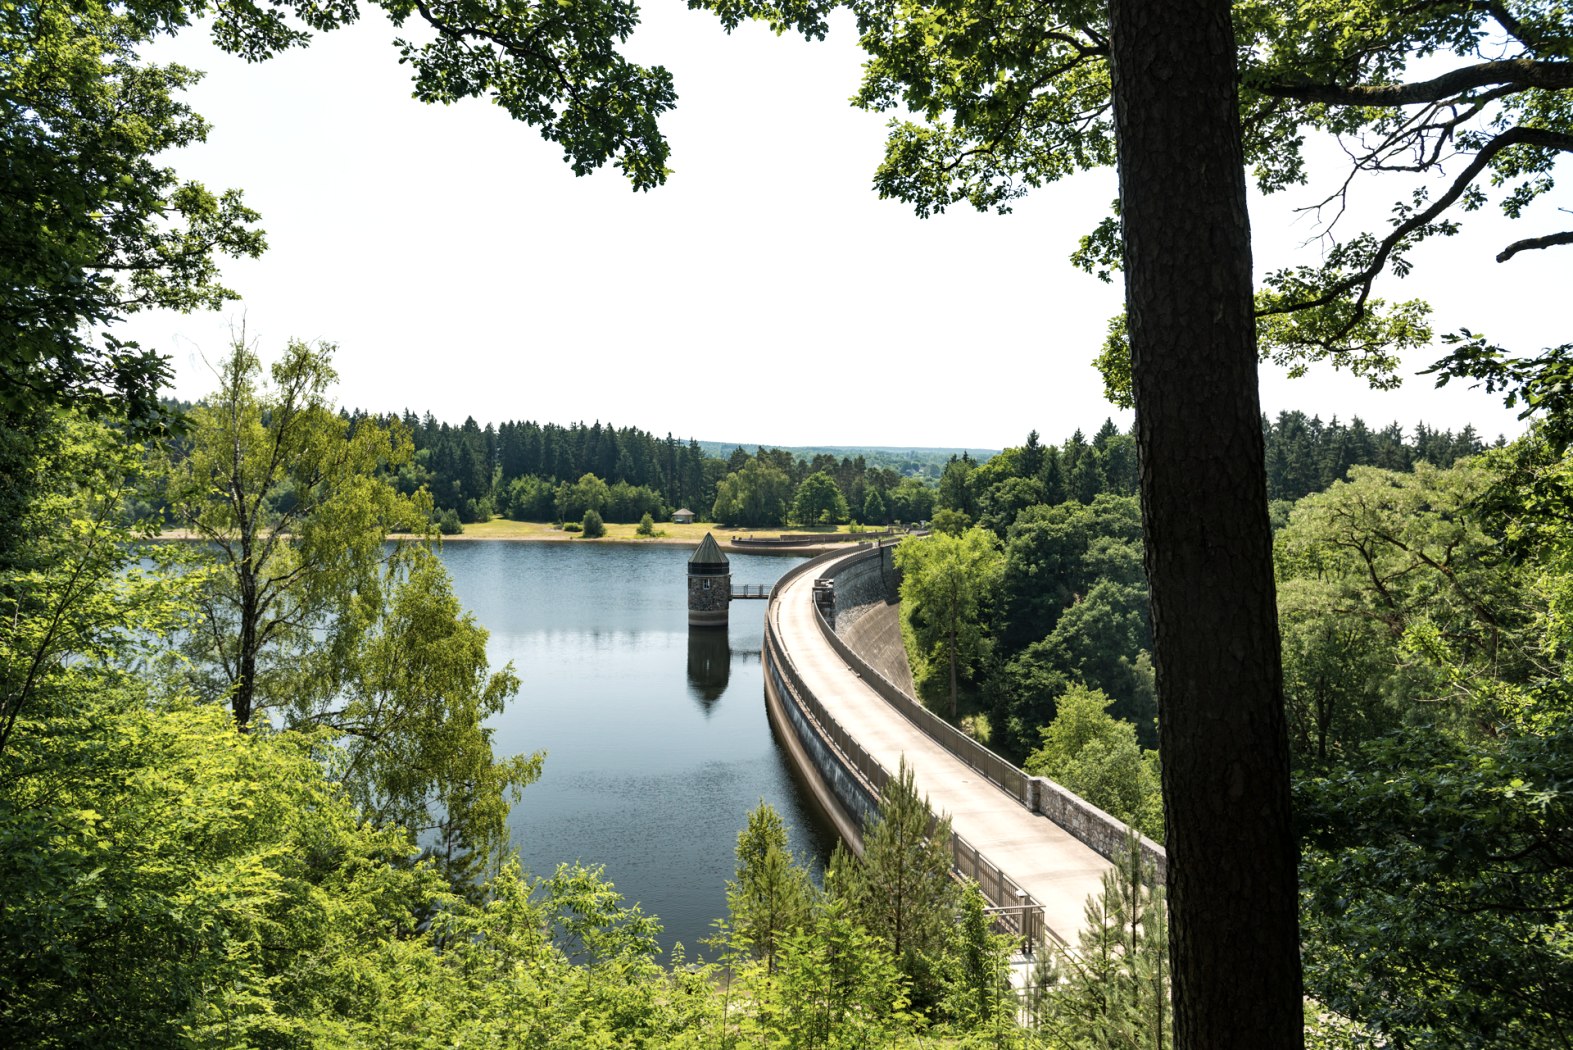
(866, 576)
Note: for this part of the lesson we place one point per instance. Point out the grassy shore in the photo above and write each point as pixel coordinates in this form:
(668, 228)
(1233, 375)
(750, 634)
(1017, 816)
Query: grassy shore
(665, 533)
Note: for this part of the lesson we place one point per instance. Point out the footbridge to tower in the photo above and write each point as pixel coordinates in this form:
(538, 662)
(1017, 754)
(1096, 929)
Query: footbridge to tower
(838, 701)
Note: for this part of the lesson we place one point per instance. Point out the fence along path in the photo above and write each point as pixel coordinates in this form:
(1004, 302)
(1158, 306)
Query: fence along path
(1037, 855)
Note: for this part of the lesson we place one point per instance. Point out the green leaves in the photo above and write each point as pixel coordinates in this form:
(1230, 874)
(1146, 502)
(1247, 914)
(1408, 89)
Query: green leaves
(168, 879)
(1437, 887)
(553, 66)
(947, 584)
(95, 227)
(1092, 754)
(819, 501)
(771, 897)
(307, 612)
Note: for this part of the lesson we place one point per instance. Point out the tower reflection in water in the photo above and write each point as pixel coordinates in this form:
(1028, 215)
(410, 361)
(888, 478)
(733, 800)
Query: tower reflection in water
(709, 665)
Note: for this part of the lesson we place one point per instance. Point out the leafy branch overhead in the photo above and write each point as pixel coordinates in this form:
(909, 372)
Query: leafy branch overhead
(1004, 98)
(96, 227)
(554, 66)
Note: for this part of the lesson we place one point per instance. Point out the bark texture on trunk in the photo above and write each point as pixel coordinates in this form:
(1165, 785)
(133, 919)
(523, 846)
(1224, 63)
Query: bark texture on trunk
(1232, 856)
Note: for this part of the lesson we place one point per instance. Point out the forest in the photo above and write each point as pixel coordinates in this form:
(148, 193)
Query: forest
(247, 792)
(237, 815)
(250, 797)
(549, 472)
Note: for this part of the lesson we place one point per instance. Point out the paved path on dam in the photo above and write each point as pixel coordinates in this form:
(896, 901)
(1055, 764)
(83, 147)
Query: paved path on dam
(1044, 859)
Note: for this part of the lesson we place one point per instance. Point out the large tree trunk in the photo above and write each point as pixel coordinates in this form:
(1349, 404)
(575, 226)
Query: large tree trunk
(1232, 854)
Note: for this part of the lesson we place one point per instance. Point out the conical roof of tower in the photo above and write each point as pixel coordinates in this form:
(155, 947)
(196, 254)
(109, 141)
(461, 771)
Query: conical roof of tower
(709, 553)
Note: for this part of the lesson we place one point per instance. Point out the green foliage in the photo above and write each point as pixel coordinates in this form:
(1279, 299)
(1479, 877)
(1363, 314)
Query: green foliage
(956, 491)
(413, 695)
(757, 494)
(947, 583)
(1092, 643)
(1055, 555)
(911, 501)
(594, 528)
(1114, 364)
(901, 889)
(1437, 885)
(68, 597)
(838, 987)
(587, 494)
(531, 499)
(979, 999)
(646, 526)
(1426, 669)
(1112, 991)
(818, 501)
(1396, 606)
(771, 896)
(170, 881)
(307, 613)
(293, 518)
(1090, 753)
(94, 228)
(875, 511)
(448, 523)
(949, 522)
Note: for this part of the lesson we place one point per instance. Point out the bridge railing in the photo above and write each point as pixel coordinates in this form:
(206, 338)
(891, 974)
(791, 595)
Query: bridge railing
(1017, 912)
(997, 769)
(1099, 830)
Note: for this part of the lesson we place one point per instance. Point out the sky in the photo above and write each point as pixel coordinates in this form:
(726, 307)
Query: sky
(764, 295)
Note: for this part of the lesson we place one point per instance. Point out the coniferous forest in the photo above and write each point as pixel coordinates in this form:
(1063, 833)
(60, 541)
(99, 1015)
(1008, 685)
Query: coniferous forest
(549, 472)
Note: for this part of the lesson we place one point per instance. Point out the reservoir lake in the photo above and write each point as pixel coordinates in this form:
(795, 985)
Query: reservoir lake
(656, 739)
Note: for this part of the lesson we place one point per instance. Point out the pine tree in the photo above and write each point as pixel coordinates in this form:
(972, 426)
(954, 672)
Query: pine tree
(772, 895)
(901, 888)
(1112, 991)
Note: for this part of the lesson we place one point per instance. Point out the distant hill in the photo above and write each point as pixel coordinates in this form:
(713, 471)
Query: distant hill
(927, 461)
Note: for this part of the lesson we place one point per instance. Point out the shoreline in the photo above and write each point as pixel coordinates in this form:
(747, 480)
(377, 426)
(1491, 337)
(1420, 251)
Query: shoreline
(545, 534)
(640, 541)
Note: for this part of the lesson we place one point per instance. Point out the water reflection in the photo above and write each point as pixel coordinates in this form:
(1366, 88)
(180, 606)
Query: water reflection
(657, 745)
(709, 665)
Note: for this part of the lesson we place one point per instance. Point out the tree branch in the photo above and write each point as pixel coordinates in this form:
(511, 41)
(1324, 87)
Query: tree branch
(1519, 72)
(1530, 243)
(1362, 279)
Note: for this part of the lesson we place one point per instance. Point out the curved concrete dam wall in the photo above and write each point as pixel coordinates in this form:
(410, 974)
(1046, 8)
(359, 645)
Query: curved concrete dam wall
(866, 635)
(867, 614)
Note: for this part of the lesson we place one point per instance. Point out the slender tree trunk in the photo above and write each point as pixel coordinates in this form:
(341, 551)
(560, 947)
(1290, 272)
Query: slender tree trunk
(246, 658)
(1234, 945)
(246, 679)
(954, 600)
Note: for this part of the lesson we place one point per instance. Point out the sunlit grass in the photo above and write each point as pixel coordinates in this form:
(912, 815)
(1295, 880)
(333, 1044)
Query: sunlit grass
(665, 532)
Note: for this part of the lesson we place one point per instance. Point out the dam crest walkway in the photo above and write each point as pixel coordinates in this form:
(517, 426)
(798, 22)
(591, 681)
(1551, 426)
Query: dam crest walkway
(849, 728)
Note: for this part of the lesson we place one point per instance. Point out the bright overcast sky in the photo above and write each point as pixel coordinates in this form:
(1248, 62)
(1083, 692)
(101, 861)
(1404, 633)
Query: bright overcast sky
(462, 269)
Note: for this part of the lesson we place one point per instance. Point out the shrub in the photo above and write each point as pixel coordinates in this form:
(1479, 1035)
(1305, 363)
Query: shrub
(646, 525)
(594, 527)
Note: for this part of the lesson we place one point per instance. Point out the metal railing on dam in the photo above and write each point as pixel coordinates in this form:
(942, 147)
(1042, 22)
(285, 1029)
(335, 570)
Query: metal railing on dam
(1021, 914)
(855, 777)
(1099, 830)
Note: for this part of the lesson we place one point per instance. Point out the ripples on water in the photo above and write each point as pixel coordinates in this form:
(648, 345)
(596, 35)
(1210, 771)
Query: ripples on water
(656, 737)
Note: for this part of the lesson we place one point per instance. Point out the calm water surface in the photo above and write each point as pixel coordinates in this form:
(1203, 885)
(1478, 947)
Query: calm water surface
(656, 740)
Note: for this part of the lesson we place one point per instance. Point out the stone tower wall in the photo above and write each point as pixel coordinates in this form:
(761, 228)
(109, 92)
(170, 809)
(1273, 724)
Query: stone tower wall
(708, 599)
